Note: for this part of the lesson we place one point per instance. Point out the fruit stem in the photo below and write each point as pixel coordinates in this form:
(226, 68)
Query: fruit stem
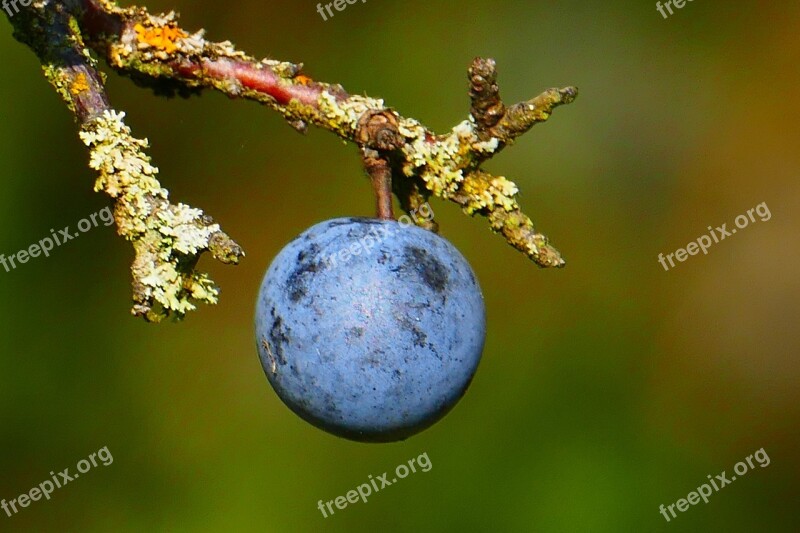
(380, 173)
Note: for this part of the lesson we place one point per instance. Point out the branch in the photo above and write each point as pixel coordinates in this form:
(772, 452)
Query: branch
(168, 239)
(155, 51)
(399, 153)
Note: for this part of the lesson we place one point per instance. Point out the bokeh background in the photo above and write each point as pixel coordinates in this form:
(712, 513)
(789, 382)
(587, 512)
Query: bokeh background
(606, 389)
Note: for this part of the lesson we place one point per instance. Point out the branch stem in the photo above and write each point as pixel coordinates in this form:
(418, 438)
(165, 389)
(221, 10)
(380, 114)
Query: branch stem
(380, 173)
(400, 155)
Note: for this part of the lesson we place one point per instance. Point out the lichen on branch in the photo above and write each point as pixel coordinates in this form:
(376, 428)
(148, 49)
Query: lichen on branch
(400, 153)
(168, 238)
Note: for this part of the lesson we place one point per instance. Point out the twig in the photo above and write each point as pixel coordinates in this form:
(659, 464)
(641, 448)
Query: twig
(400, 154)
(156, 51)
(168, 239)
(380, 173)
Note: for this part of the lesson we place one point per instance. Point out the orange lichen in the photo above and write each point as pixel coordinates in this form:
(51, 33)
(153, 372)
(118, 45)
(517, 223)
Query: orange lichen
(163, 38)
(79, 85)
(302, 79)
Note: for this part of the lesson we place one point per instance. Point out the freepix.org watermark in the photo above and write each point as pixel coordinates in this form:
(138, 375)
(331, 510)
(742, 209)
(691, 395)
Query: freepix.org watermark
(47, 487)
(48, 244)
(719, 234)
(339, 5)
(668, 5)
(366, 489)
(8, 5)
(719, 481)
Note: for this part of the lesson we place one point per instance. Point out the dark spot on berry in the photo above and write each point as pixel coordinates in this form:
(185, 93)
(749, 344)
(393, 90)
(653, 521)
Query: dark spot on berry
(302, 255)
(356, 332)
(330, 406)
(429, 268)
(374, 359)
(366, 221)
(307, 265)
(337, 223)
(278, 335)
(420, 339)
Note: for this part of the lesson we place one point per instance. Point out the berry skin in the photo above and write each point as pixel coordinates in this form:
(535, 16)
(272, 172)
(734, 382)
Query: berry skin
(369, 329)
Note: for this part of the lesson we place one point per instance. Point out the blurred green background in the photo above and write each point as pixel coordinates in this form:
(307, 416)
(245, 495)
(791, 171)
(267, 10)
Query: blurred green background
(606, 389)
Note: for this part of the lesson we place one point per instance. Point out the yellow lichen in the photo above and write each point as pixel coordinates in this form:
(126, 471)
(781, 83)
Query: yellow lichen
(162, 38)
(167, 238)
(79, 85)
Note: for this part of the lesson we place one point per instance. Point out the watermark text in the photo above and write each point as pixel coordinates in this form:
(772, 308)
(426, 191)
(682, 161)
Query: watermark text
(47, 487)
(715, 236)
(366, 489)
(48, 244)
(719, 481)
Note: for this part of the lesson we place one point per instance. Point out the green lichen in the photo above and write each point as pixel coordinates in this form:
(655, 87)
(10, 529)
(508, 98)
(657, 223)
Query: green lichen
(54, 75)
(342, 116)
(168, 238)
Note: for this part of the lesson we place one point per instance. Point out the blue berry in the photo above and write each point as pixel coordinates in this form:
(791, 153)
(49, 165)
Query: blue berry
(369, 329)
